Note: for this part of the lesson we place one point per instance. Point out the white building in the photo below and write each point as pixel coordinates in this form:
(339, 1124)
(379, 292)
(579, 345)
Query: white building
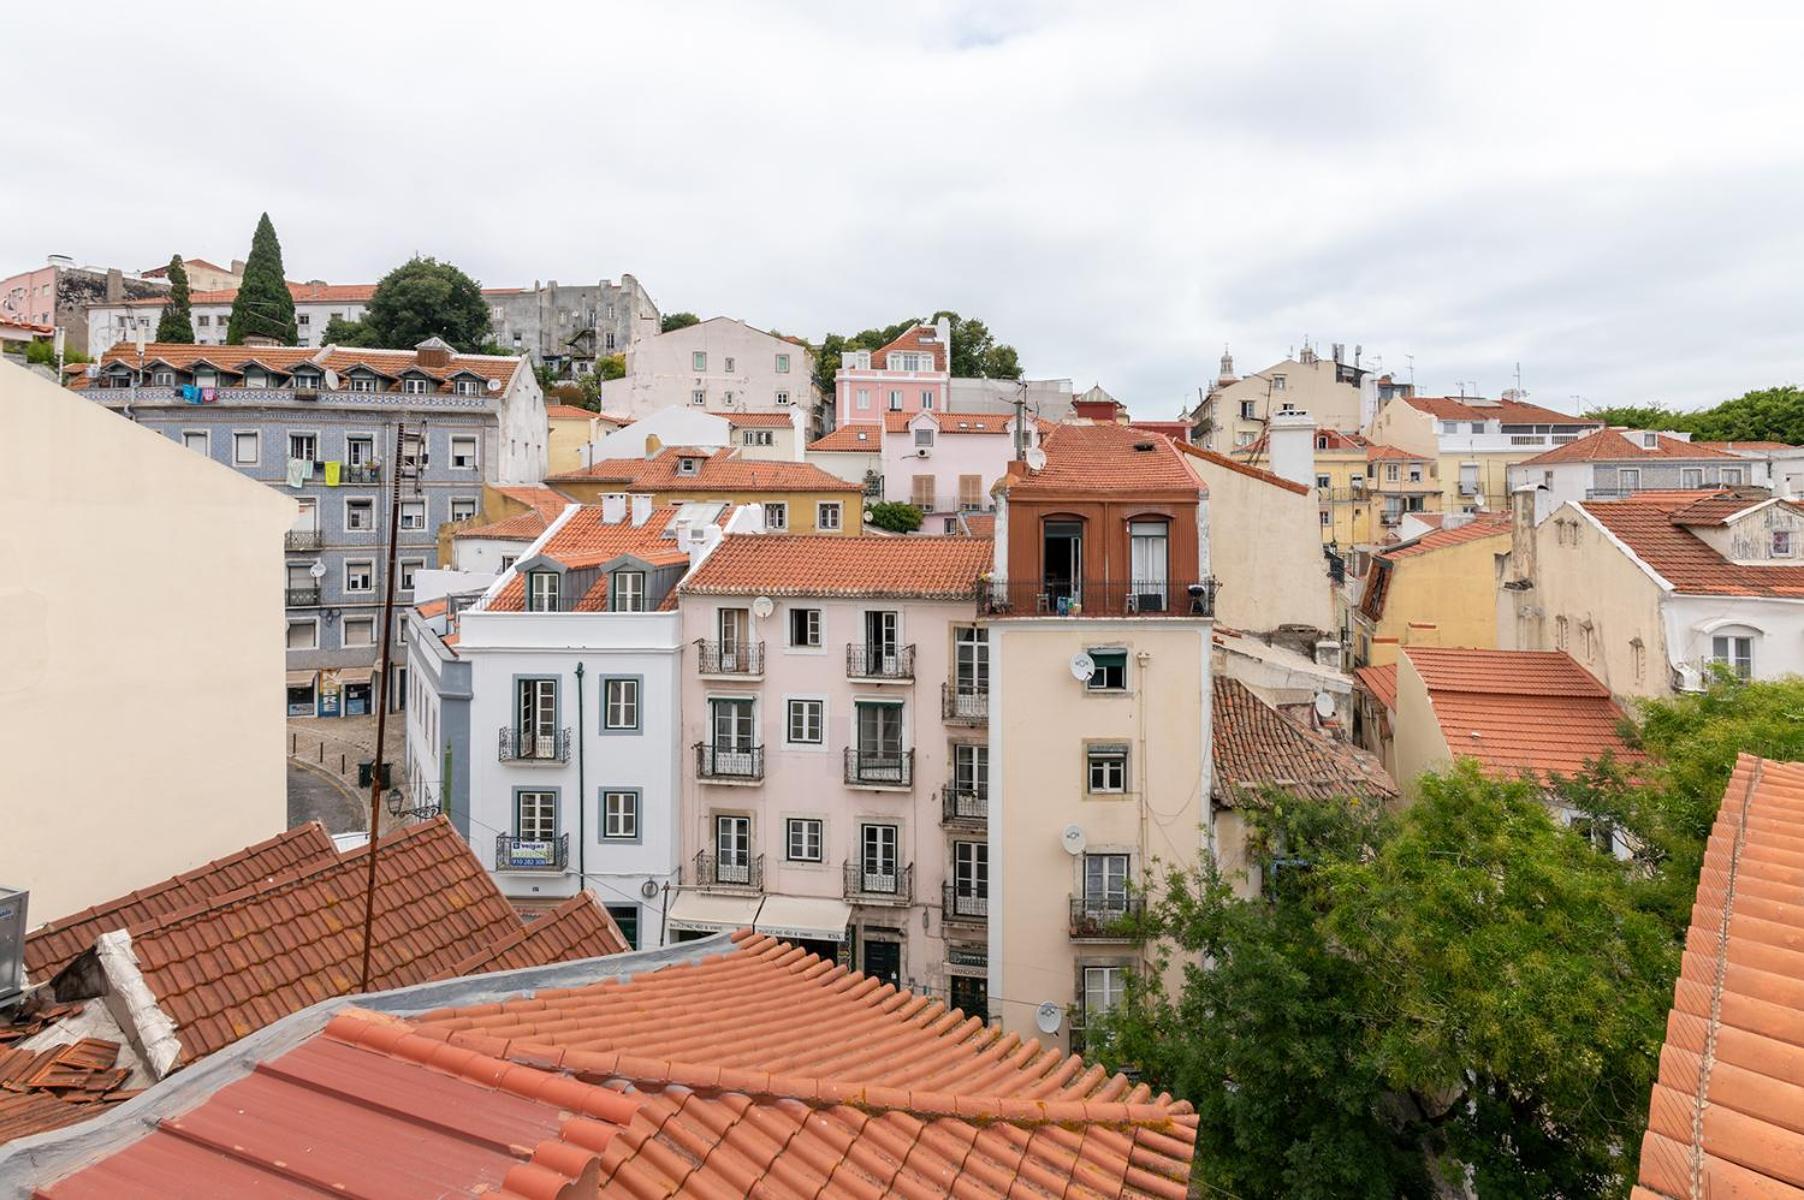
(1620, 462)
(720, 364)
(761, 436)
(545, 715)
(315, 304)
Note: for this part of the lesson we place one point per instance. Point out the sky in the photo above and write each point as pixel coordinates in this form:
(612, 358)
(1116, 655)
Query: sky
(1605, 196)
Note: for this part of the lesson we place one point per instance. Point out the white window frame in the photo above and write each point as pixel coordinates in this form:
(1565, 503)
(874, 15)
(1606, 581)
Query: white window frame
(467, 505)
(813, 713)
(776, 515)
(829, 515)
(622, 709)
(362, 504)
(414, 385)
(618, 592)
(1113, 777)
(815, 622)
(369, 570)
(620, 814)
(404, 573)
(1104, 987)
(698, 360)
(368, 623)
(1727, 648)
(312, 436)
(542, 591)
(312, 624)
(205, 448)
(474, 443)
(256, 437)
(810, 829)
(409, 507)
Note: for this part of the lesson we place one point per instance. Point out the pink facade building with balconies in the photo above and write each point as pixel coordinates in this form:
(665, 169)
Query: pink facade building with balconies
(912, 373)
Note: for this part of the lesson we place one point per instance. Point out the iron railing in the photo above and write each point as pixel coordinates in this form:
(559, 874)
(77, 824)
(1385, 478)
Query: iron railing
(1061, 598)
(711, 870)
(963, 805)
(879, 662)
(370, 472)
(745, 659)
(524, 745)
(531, 854)
(965, 703)
(302, 539)
(300, 597)
(869, 882)
(887, 769)
(963, 906)
(732, 763)
(1114, 917)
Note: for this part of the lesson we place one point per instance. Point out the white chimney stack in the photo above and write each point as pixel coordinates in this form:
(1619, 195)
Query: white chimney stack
(613, 508)
(641, 508)
(1290, 445)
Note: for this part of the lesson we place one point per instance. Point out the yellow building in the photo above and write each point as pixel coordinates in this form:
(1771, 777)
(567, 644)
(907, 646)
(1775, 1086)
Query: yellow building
(1439, 590)
(796, 497)
(1475, 441)
(573, 429)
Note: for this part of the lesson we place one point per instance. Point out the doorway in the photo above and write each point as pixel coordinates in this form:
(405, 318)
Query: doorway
(1062, 559)
(882, 961)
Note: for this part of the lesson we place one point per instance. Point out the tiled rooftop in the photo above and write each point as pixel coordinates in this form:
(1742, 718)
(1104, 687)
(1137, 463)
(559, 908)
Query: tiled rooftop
(1509, 412)
(1084, 458)
(1257, 747)
(1747, 446)
(856, 437)
(1483, 525)
(49, 948)
(756, 420)
(921, 338)
(283, 360)
(1612, 445)
(50, 1087)
(1381, 682)
(836, 565)
(1727, 1113)
(719, 471)
(1655, 529)
(568, 412)
(587, 540)
(543, 507)
(303, 293)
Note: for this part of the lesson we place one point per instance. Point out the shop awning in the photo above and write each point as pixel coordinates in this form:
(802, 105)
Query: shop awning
(703, 912)
(302, 678)
(355, 674)
(813, 918)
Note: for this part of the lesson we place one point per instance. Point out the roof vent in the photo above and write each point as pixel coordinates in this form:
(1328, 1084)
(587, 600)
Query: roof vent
(1144, 447)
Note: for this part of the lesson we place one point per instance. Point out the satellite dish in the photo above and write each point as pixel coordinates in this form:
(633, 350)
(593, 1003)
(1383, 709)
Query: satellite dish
(331, 380)
(1324, 706)
(1049, 1017)
(1082, 667)
(1073, 837)
(494, 385)
(1036, 459)
(763, 607)
(317, 570)
(649, 888)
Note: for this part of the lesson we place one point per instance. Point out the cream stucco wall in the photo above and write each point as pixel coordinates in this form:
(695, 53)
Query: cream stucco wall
(1265, 548)
(1310, 386)
(568, 439)
(1445, 597)
(141, 660)
(1041, 720)
(1417, 743)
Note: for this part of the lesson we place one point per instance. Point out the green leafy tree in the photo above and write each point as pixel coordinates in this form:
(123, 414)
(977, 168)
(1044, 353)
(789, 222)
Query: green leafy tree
(677, 320)
(420, 299)
(611, 366)
(895, 516)
(1465, 985)
(1769, 415)
(1641, 416)
(975, 352)
(340, 332)
(177, 322)
(264, 307)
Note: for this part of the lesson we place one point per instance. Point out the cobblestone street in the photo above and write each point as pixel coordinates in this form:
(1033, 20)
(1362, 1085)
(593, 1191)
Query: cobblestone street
(323, 754)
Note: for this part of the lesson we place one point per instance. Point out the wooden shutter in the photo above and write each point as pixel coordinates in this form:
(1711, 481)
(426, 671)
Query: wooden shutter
(923, 492)
(970, 491)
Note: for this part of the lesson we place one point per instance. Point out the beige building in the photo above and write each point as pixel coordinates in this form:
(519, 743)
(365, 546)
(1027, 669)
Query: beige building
(1475, 440)
(573, 430)
(1236, 410)
(721, 364)
(141, 618)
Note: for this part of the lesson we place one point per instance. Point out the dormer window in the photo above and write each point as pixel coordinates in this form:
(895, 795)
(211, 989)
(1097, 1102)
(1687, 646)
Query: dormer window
(1277, 383)
(306, 381)
(204, 377)
(255, 377)
(1781, 543)
(909, 361)
(163, 378)
(363, 383)
(1650, 441)
(413, 385)
(468, 387)
(689, 466)
(628, 592)
(542, 591)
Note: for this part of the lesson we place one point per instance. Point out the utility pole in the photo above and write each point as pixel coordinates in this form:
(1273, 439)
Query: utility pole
(382, 701)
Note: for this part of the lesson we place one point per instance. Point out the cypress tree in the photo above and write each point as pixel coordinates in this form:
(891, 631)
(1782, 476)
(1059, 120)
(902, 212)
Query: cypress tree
(177, 322)
(264, 306)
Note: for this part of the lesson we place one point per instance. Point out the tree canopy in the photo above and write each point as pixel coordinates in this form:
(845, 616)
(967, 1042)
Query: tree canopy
(895, 516)
(677, 320)
(419, 299)
(264, 307)
(975, 351)
(1774, 414)
(177, 322)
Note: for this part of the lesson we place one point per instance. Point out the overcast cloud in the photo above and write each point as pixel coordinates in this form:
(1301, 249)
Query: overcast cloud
(1609, 194)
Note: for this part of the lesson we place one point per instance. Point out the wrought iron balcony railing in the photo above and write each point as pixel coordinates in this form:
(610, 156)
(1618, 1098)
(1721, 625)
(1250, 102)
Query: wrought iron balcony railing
(968, 904)
(879, 662)
(740, 871)
(300, 597)
(1063, 598)
(964, 703)
(744, 659)
(531, 854)
(302, 539)
(528, 746)
(963, 805)
(872, 882)
(1114, 917)
(734, 764)
(880, 769)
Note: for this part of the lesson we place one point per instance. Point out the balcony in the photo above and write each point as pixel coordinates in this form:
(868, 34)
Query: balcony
(734, 661)
(524, 746)
(890, 769)
(370, 472)
(531, 854)
(300, 597)
(302, 539)
(880, 663)
(709, 870)
(729, 764)
(964, 806)
(1112, 918)
(868, 884)
(964, 705)
(1056, 598)
(963, 907)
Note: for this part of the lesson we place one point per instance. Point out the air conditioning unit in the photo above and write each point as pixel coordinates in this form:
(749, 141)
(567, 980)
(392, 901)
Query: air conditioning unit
(12, 942)
(923, 452)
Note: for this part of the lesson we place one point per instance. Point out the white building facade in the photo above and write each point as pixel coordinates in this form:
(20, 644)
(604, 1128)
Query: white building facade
(720, 364)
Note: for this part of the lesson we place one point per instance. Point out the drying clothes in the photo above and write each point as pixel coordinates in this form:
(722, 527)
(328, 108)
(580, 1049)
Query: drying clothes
(190, 393)
(209, 395)
(298, 471)
(333, 466)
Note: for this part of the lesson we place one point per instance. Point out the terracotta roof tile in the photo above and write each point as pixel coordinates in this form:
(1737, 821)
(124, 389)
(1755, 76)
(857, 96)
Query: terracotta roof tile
(1724, 1116)
(1377, 452)
(1257, 747)
(1612, 445)
(720, 471)
(1747, 445)
(1655, 529)
(857, 437)
(1509, 412)
(920, 338)
(50, 1087)
(1381, 682)
(543, 506)
(767, 1071)
(49, 948)
(232, 360)
(756, 420)
(586, 540)
(568, 412)
(835, 565)
(1240, 468)
(1483, 525)
(1102, 458)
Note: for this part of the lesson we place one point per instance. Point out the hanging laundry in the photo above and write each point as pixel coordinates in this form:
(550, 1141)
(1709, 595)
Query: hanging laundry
(332, 469)
(298, 471)
(209, 395)
(190, 393)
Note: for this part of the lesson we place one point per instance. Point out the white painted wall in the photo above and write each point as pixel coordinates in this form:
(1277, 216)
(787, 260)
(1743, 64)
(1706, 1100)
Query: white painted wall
(671, 426)
(661, 371)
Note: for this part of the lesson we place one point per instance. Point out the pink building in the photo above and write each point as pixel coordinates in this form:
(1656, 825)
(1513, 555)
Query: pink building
(912, 373)
(835, 708)
(943, 463)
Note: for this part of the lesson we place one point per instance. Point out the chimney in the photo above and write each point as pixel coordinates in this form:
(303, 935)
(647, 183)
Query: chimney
(613, 508)
(1525, 504)
(115, 285)
(237, 266)
(942, 329)
(641, 508)
(434, 352)
(1290, 445)
(653, 444)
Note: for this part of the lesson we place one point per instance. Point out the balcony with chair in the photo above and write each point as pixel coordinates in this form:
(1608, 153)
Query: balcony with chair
(731, 661)
(964, 705)
(880, 769)
(867, 885)
(1113, 918)
(880, 664)
(711, 870)
(729, 764)
(1133, 598)
(531, 854)
(963, 807)
(515, 745)
(963, 908)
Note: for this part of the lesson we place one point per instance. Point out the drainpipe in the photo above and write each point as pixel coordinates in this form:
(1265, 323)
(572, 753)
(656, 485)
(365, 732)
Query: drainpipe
(582, 800)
